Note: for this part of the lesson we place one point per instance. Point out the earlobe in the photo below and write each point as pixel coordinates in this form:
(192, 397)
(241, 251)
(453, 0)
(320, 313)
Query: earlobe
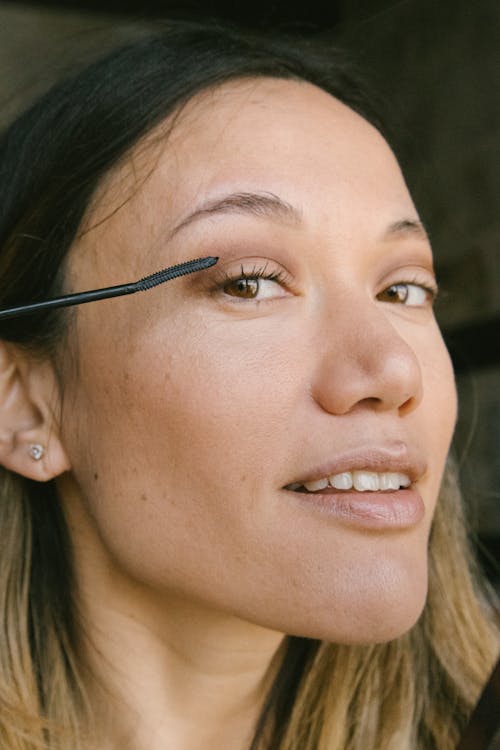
(29, 435)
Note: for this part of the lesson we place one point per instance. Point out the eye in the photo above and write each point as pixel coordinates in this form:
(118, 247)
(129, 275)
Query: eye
(410, 294)
(258, 284)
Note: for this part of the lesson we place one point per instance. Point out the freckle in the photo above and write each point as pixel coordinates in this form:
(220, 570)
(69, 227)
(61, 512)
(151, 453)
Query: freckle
(96, 476)
(144, 498)
(243, 478)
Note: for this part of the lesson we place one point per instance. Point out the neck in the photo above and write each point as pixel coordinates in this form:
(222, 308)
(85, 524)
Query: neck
(175, 674)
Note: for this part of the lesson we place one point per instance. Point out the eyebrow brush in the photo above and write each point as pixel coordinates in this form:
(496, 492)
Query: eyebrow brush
(142, 285)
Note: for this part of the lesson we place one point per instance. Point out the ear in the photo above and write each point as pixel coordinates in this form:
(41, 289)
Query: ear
(28, 407)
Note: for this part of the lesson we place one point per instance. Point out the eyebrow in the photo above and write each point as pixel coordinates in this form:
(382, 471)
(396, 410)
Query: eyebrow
(405, 227)
(256, 204)
(272, 206)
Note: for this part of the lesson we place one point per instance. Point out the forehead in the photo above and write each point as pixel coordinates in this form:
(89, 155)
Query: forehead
(271, 135)
(271, 129)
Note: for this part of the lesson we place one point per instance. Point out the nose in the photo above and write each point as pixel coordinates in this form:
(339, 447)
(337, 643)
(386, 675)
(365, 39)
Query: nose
(365, 361)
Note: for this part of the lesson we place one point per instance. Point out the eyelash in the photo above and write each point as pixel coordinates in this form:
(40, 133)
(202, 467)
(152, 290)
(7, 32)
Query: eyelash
(282, 278)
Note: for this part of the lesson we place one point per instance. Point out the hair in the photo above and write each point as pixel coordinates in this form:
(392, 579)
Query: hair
(414, 692)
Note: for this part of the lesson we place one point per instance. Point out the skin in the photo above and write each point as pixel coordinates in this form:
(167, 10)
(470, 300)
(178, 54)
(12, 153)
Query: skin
(190, 409)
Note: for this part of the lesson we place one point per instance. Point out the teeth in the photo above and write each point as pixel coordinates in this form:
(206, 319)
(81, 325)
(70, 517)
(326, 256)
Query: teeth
(319, 484)
(404, 481)
(341, 481)
(362, 481)
(390, 481)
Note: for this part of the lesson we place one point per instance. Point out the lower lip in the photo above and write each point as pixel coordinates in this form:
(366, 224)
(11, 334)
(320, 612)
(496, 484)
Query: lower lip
(398, 509)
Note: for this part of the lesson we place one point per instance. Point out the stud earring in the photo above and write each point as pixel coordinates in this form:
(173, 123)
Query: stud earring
(36, 451)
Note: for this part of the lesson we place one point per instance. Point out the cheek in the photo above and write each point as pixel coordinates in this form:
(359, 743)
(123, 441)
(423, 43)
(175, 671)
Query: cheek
(439, 404)
(217, 402)
(434, 420)
(184, 445)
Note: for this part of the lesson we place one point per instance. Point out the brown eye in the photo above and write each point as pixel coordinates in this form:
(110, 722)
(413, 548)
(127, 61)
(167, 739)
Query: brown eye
(254, 286)
(394, 293)
(411, 295)
(243, 288)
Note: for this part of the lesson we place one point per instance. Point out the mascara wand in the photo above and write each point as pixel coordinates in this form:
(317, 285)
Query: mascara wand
(148, 282)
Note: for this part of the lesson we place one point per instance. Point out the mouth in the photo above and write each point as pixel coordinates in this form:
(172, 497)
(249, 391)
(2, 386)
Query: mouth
(373, 489)
(359, 480)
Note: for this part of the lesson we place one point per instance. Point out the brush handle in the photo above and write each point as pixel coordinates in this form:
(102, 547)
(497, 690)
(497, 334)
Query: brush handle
(81, 298)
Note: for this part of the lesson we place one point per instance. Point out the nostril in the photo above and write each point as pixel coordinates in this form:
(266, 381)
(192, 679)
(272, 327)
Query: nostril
(408, 405)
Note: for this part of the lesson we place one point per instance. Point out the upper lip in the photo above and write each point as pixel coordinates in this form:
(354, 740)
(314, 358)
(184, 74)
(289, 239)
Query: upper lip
(393, 457)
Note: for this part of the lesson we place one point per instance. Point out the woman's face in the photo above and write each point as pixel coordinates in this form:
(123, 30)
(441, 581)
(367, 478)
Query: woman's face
(309, 351)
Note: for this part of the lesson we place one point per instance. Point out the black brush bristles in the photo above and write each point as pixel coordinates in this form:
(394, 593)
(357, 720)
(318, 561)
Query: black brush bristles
(181, 269)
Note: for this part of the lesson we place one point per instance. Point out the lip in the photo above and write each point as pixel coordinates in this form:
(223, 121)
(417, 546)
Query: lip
(376, 511)
(389, 457)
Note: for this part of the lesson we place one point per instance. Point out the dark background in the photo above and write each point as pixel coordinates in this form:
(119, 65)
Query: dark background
(436, 66)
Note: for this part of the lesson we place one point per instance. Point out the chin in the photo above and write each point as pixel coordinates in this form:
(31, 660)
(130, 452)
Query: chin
(367, 628)
(376, 613)
(386, 626)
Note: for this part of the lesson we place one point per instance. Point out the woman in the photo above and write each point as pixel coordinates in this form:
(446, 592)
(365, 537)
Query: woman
(223, 500)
